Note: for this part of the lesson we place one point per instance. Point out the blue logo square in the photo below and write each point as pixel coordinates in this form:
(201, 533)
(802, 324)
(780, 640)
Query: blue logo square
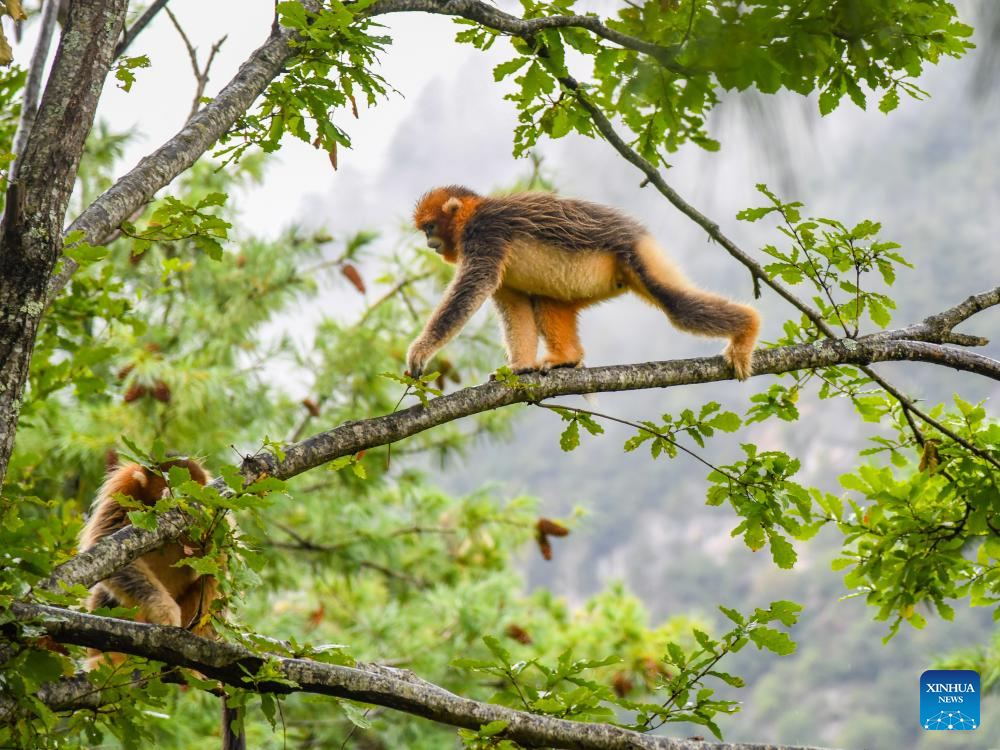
(949, 699)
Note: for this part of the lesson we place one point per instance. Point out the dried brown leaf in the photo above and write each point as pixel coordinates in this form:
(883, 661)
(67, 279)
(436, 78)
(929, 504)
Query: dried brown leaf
(352, 275)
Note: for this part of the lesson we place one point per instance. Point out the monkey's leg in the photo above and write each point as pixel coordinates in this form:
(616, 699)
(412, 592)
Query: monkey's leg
(196, 605)
(558, 324)
(136, 585)
(520, 333)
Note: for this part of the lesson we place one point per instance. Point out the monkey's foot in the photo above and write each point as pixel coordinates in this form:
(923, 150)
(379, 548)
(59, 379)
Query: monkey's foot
(739, 358)
(552, 364)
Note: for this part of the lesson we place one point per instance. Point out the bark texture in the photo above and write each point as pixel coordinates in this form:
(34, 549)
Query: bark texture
(31, 240)
(398, 689)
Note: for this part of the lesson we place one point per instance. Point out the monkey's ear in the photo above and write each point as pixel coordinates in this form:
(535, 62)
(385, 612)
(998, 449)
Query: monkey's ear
(451, 205)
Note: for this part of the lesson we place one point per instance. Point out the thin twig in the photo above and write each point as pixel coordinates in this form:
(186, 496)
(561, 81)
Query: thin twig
(643, 428)
(135, 29)
(200, 74)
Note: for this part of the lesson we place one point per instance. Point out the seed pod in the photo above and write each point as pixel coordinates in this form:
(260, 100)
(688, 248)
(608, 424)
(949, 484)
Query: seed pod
(161, 392)
(134, 392)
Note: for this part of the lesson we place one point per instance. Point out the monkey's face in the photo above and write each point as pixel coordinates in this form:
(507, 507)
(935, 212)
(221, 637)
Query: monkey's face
(434, 241)
(154, 487)
(434, 216)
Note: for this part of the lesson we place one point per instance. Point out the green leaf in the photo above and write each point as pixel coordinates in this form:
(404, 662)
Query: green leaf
(356, 714)
(773, 640)
(505, 69)
(570, 437)
(782, 551)
(727, 421)
(493, 728)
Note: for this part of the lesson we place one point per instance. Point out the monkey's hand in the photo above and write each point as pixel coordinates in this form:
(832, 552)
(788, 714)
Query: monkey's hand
(163, 611)
(416, 358)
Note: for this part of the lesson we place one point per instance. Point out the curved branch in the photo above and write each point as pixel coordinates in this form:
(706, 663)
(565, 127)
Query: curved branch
(940, 327)
(198, 135)
(489, 16)
(368, 683)
(117, 549)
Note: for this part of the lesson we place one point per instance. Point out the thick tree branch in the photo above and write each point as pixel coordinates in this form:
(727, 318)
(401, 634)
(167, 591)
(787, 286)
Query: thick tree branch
(368, 683)
(349, 438)
(36, 203)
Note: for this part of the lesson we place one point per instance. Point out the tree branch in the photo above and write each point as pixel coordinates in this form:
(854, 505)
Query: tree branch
(135, 29)
(200, 133)
(35, 206)
(33, 82)
(368, 683)
(491, 17)
(125, 545)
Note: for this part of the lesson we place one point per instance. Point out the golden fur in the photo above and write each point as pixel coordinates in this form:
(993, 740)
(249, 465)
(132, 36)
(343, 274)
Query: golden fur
(543, 258)
(163, 594)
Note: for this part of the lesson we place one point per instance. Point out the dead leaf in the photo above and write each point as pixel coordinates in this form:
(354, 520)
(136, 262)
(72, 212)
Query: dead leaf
(550, 528)
(6, 53)
(518, 633)
(15, 10)
(352, 275)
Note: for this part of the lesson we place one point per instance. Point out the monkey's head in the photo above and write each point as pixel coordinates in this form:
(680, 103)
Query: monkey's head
(149, 485)
(435, 217)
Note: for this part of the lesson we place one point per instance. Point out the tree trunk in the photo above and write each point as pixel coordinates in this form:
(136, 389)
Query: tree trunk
(31, 239)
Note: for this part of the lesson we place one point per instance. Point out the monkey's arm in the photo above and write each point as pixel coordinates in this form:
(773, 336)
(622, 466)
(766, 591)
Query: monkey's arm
(479, 273)
(137, 585)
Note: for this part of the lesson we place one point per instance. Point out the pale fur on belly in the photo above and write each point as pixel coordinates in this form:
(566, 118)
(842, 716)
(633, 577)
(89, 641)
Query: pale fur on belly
(547, 271)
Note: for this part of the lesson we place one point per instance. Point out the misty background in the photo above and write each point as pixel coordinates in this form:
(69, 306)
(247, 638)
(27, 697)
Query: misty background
(928, 172)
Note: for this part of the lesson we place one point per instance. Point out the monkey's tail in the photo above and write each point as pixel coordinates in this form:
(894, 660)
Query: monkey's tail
(231, 740)
(695, 310)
